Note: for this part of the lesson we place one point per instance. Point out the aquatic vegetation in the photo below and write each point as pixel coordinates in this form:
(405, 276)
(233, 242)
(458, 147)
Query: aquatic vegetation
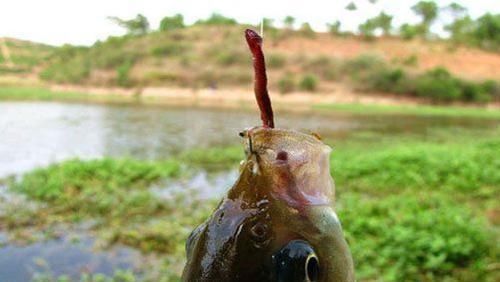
(410, 236)
(452, 168)
(411, 207)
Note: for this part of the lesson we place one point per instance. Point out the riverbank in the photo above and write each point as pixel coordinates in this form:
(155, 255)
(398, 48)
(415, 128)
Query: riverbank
(239, 99)
(421, 208)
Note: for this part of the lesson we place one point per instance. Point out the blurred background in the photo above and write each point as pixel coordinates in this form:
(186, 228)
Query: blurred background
(119, 127)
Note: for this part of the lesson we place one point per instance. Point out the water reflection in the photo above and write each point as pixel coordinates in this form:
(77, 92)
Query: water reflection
(71, 256)
(37, 133)
(202, 185)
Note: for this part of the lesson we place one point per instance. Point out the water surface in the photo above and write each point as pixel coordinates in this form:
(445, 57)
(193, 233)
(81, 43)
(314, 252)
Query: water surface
(38, 133)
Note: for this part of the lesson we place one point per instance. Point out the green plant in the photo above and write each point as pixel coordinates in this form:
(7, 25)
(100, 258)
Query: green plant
(410, 61)
(389, 80)
(492, 88)
(362, 63)
(217, 19)
(136, 26)
(473, 92)
(334, 28)
(307, 31)
(380, 22)
(286, 83)
(428, 10)
(75, 70)
(408, 31)
(438, 84)
(487, 31)
(169, 48)
(289, 21)
(406, 237)
(308, 82)
(171, 23)
(122, 74)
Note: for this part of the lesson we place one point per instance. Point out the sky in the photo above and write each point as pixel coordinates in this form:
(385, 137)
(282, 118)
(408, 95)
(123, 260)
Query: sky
(82, 22)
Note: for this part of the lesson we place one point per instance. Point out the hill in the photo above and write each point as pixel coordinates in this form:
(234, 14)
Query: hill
(21, 56)
(216, 56)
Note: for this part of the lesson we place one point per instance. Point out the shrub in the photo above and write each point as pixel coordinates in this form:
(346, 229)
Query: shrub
(286, 84)
(170, 23)
(169, 48)
(307, 31)
(492, 88)
(109, 56)
(362, 63)
(74, 70)
(308, 83)
(473, 92)
(411, 61)
(389, 80)
(439, 85)
(122, 74)
(408, 31)
(217, 19)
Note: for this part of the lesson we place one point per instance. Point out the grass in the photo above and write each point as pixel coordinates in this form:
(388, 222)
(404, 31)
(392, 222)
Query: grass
(45, 94)
(420, 110)
(412, 208)
(39, 93)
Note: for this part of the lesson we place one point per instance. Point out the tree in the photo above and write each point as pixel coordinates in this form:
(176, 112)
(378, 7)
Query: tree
(351, 7)
(170, 23)
(136, 26)
(307, 30)
(217, 19)
(268, 23)
(456, 9)
(334, 28)
(460, 29)
(289, 21)
(428, 10)
(487, 31)
(367, 29)
(384, 22)
(408, 31)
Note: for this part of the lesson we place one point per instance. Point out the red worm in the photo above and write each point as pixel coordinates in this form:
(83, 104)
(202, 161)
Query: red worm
(260, 82)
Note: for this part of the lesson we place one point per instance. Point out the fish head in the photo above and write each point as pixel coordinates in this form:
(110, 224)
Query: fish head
(277, 222)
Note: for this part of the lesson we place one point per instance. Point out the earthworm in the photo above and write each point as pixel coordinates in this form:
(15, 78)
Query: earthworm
(260, 81)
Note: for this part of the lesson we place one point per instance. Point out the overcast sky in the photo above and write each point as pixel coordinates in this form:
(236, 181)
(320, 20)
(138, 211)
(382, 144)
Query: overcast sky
(84, 21)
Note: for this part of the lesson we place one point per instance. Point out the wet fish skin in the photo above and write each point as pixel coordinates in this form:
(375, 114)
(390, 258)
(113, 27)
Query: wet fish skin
(284, 193)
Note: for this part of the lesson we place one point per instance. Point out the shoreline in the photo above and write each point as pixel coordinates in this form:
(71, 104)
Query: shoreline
(239, 99)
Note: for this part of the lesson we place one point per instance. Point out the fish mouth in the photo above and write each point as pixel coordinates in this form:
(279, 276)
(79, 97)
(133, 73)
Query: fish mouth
(295, 165)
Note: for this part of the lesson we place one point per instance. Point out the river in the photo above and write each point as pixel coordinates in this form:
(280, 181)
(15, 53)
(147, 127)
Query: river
(35, 134)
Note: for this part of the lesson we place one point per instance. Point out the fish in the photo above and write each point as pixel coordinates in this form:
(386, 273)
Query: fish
(277, 222)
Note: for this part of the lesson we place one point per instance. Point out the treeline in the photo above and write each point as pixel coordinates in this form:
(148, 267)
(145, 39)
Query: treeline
(483, 32)
(203, 55)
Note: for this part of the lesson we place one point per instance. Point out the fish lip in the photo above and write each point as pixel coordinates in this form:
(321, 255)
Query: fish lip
(282, 155)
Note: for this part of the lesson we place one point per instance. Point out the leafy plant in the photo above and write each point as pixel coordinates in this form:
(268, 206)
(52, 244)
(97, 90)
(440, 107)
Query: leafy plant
(286, 84)
(171, 23)
(308, 82)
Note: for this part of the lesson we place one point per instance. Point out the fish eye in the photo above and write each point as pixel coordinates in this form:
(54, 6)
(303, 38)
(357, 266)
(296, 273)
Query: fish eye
(296, 261)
